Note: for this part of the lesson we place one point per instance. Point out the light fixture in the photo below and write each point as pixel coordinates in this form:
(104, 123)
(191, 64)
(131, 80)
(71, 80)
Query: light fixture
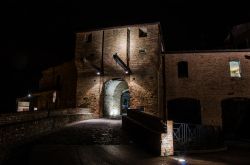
(181, 161)
(98, 73)
(29, 95)
(126, 72)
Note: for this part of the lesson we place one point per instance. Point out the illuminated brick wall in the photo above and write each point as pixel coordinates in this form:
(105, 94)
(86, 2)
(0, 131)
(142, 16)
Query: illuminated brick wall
(143, 82)
(167, 141)
(208, 80)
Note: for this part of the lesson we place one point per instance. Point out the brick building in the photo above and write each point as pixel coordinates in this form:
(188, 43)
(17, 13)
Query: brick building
(120, 67)
(213, 86)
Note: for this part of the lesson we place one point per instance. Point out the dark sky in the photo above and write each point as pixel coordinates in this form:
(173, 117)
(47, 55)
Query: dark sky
(39, 34)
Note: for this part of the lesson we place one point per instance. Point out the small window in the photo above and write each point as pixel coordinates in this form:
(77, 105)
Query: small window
(142, 50)
(89, 38)
(115, 32)
(143, 32)
(182, 69)
(235, 68)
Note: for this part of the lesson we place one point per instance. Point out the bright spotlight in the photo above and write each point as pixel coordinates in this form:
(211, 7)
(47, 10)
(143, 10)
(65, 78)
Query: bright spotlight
(181, 160)
(98, 73)
(114, 112)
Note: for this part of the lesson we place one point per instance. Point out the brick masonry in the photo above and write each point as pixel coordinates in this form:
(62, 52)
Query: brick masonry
(15, 127)
(167, 141)
(22, 127)
(209, 80)
(144, 66)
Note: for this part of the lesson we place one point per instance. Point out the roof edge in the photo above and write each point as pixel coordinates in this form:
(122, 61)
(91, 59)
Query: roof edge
(121, 26)
(207, 51)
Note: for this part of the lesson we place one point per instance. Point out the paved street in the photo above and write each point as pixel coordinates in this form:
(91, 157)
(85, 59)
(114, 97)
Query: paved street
(91, 142)
(102, 141)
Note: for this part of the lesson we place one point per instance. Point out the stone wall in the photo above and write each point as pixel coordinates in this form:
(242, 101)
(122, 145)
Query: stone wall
(98, 54)
(149, 131)
(62, 79)
(16, 126)
(208, 80)
(22, 117)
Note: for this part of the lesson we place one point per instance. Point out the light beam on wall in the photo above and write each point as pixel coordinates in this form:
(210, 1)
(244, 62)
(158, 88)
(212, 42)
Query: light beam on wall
(98, 70)
(114, 112)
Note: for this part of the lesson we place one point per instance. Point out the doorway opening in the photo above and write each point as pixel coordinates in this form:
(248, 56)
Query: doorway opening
(235, 118)
(116, 98)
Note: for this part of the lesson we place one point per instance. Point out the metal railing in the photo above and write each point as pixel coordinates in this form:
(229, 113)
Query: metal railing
(192, 136)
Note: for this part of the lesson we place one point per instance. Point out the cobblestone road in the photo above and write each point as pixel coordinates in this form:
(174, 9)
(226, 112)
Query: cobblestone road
(89, 132)
(90, 142)
(102, 142)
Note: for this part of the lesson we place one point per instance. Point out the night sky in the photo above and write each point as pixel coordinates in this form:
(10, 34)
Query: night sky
(39, 34)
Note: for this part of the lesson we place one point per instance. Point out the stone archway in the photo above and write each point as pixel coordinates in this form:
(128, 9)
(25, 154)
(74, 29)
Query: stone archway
(113, 92)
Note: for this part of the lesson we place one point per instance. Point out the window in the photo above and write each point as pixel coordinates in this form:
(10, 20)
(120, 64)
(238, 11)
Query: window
(143, 32)
(115, 32)
(182, 69)
(142, 50)
(235, 68)
(89, 38)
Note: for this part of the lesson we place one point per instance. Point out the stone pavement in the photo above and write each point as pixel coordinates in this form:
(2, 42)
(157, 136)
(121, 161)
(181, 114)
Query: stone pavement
(90, 142)
(103, 142)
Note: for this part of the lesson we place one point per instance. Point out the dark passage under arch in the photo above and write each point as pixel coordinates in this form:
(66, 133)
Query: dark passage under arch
(115, 100)
(184, 110)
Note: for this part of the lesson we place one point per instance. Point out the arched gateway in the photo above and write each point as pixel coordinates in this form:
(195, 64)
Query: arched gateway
(116, 98)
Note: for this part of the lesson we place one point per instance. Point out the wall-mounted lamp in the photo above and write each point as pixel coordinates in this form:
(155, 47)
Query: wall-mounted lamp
(122, 64)
(98, 73)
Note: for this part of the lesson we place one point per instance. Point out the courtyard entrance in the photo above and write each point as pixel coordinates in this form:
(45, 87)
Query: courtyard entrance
(116, 98)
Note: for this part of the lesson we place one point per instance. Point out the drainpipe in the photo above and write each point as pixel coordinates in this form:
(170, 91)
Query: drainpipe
(164, 107)
(128, 46)
(162, 52)
(102, 69)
